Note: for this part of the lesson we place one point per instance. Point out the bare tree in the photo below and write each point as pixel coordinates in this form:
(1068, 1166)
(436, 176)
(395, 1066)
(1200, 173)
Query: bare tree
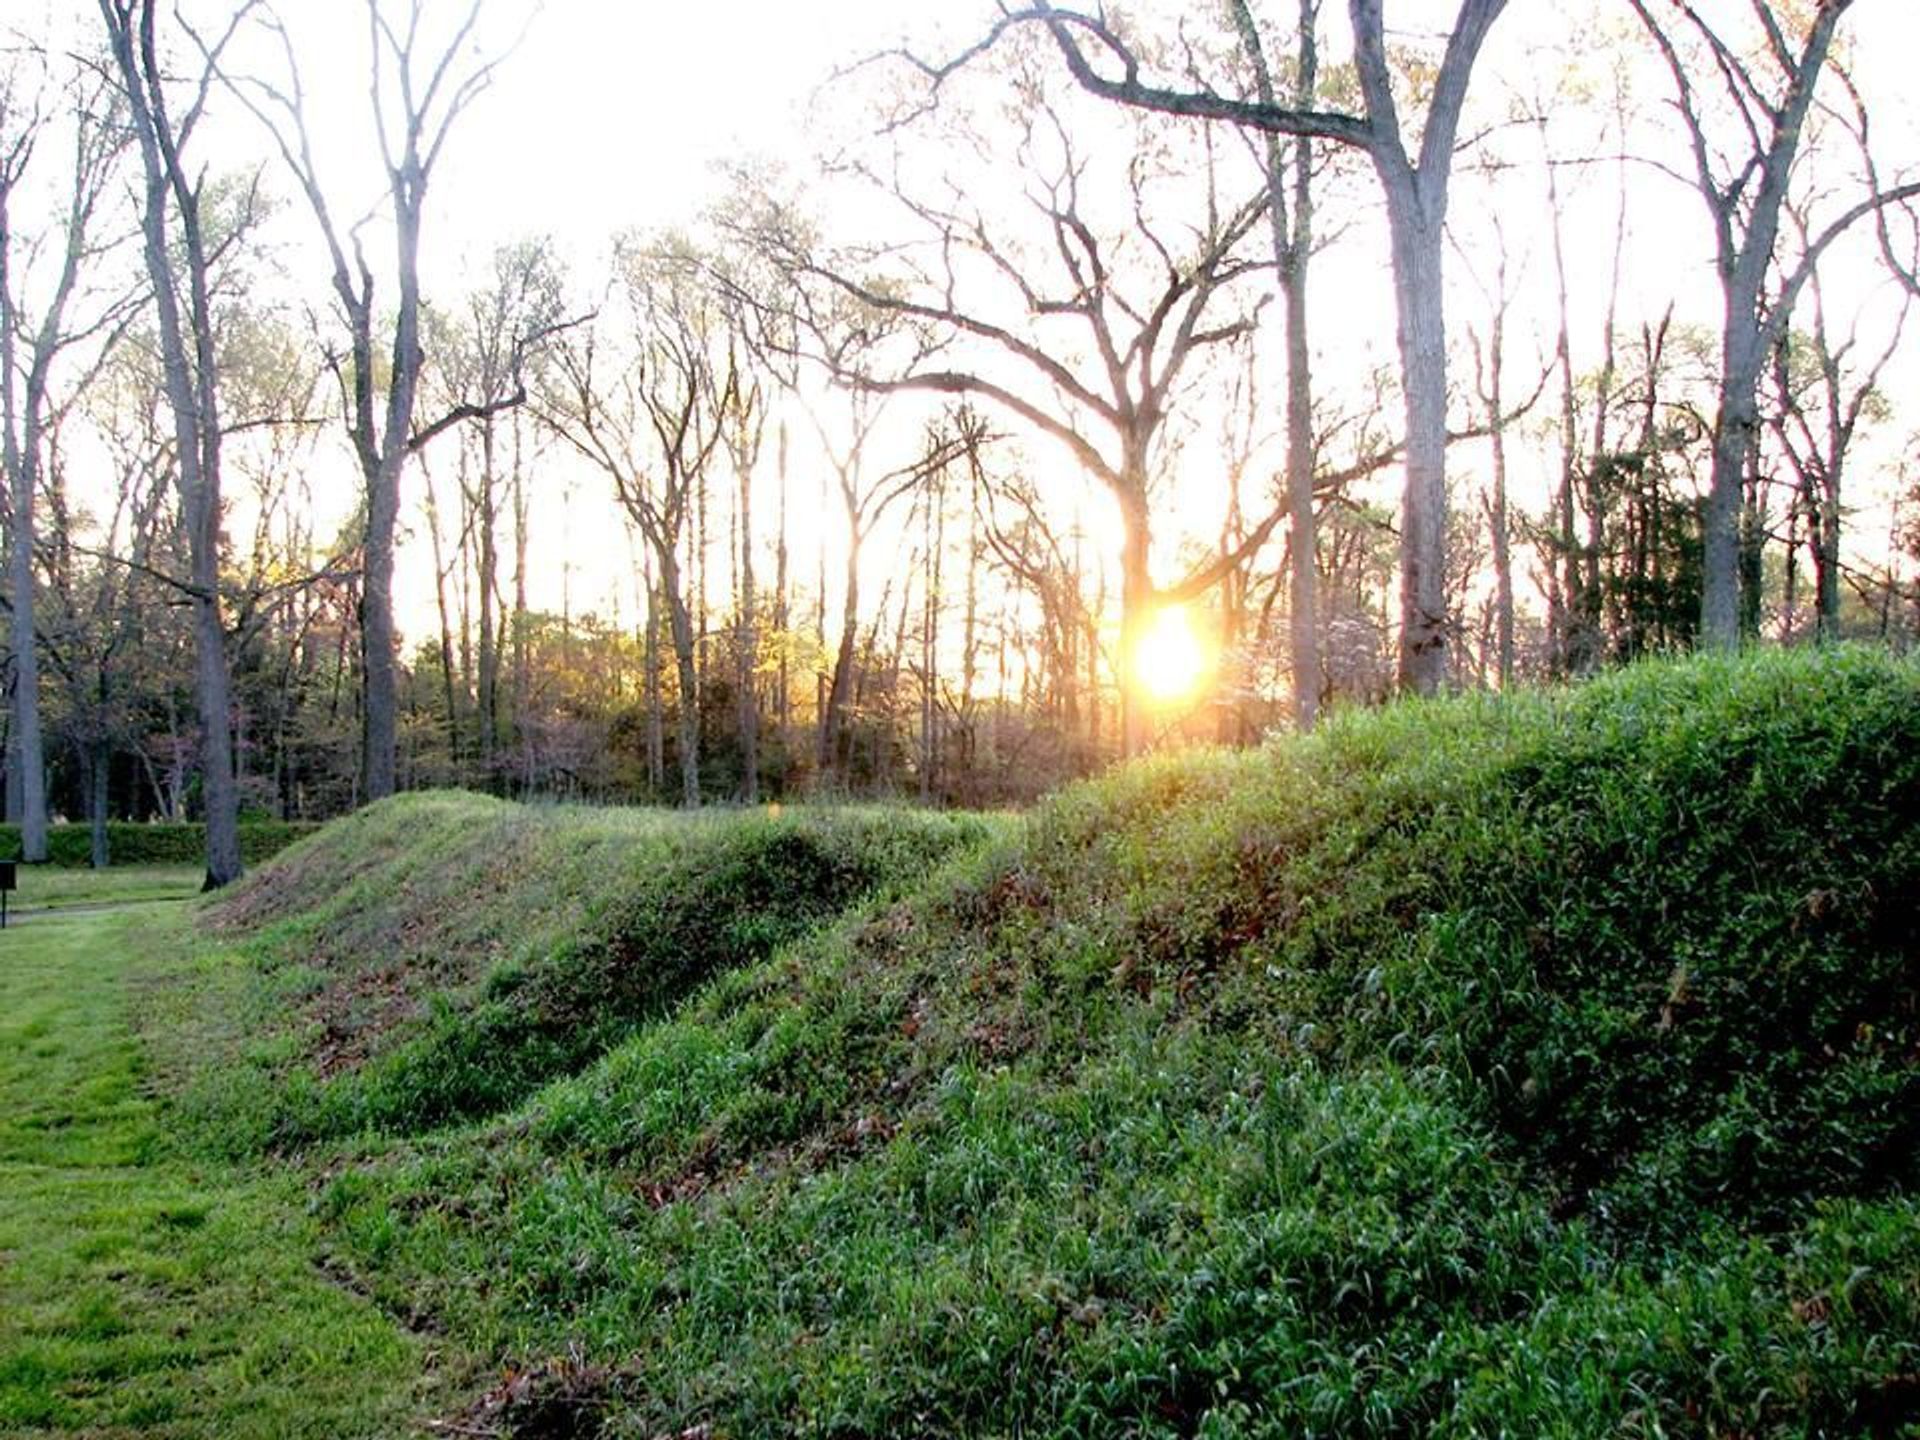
(418, 91)
(483, 351)
(70, 314)
(638, 395)
(1038, 558)
(1824, 389)
(1490, 380)
(1763, 101)
(865, 495)
(1573, 554)
(1085, 336)
(743, 411)
(1289, 169)
(180, 261)
(1415, 185)
(108, 636)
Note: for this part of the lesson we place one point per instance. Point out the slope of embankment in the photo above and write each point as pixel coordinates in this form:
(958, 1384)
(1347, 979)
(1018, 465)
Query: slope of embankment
(1546, 1065)
(438, 955)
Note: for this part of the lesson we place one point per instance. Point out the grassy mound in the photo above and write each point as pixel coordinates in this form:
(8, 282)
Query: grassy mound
(1544, 1065)
(447, 952)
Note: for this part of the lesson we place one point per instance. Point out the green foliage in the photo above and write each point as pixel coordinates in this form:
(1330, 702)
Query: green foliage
(1538, 1065)
(1659, 922)
(184, 843)
(455, 951)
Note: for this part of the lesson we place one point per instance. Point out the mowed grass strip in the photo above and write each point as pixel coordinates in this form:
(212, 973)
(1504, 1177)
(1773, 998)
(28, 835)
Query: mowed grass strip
(45, 887)
(140, 1294)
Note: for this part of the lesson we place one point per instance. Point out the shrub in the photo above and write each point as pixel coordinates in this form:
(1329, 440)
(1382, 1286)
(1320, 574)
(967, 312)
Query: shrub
(159, 843)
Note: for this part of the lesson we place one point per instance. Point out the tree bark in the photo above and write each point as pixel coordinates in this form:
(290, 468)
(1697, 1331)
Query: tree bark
(28, 746)
(1417, 240)
(747, 641)
(99, 771)
(656, 708)
(781, 619)
(1136, 606)
(1290, 216)
(188, 361)
(832, 749)
(1735, 433)
(680, 628)
(517, 629)
(486, 542)
(448, 678)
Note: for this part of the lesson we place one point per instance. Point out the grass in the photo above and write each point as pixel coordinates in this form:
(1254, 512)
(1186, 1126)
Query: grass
(45, 888)
(1545, 1065)
(1537, 1066)
(447, 954)
(141, 1293)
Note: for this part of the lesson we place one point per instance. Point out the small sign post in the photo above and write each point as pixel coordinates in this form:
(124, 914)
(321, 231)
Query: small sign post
(7, 882)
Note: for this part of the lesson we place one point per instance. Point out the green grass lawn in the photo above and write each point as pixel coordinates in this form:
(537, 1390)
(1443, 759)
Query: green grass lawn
(141, 1292)
(43, 887)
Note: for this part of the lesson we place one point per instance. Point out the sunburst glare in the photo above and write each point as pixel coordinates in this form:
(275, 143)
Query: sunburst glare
(1172, 660)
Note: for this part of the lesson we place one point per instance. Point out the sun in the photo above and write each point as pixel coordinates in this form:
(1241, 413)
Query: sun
(1171, 661)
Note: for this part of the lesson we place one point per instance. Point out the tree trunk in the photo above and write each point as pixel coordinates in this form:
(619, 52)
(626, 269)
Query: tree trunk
(1303, 581)
(1827, 561)
(379, 667)
(1136, 606)
(747, 643)
(99, 771)
(487, 543)
(12, 811)
(440, 570)
(934, 537)
(28, 745)
(1292, 253)
(1734, 436)
(1497, 519)
(1417, 241)
(656, 708)
(216, 743)
(188, 361)
(680, 627)
(781, 620)
(517, 629)
(27, 772)
(840, 690)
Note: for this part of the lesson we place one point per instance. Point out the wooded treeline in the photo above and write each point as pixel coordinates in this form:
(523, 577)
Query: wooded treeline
(916, 457)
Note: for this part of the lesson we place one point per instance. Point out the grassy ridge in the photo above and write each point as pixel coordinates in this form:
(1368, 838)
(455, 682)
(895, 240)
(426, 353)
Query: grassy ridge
(1546, 1065)
(448, 952)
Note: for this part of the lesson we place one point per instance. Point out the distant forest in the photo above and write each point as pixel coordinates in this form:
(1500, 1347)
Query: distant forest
(1115, 379)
